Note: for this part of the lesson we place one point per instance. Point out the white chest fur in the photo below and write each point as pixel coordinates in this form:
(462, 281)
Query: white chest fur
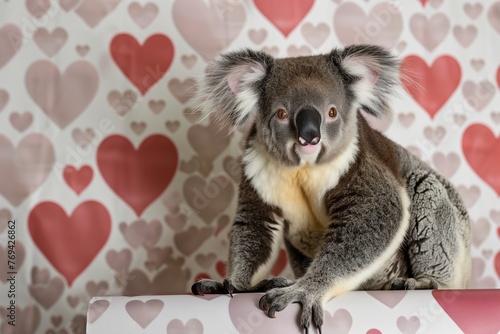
(298, 191)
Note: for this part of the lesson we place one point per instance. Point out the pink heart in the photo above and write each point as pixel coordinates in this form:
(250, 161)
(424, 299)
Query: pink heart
(383, 25)
(315, 35)
(140, 233)
(96, 309)
(203, 27)
(473, 11)
(27, 166)
(10, 43)
(119, 261)
(143, 16)
(193, 326)
(430, 33)
(50, 43)
(144, 312)
(21, 121)
(149, 169)
(47, 294)
(284, 14)
(478, 95)
(389, 298)
(62, 98)
(94, 11)
(465, 36)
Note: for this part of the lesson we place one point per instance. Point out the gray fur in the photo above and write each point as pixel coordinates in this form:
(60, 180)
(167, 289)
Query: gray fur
(362, 236)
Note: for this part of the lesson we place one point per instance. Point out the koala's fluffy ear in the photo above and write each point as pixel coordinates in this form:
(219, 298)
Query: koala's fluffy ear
(230, 88)
(373, 74)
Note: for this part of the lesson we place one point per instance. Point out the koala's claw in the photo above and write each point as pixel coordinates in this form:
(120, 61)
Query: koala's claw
(208, 286)
(277, 299)
(229, 287)
(414, 284)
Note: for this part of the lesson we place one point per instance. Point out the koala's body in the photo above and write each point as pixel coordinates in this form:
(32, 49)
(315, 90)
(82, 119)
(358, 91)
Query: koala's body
(355, 210)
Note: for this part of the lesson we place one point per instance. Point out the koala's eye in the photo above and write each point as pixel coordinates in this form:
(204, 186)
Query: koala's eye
(281, 113)
(332, 112)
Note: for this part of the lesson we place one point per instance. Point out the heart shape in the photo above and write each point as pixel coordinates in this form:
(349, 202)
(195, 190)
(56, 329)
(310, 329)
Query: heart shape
(471, 309)
(431, 86)
(382, 26)
(50, 43)
(21, 121)
(315, 35)
(188, 241)
(47, 294)
(284, 14)
(211, 26)
(96, 309)
(148, 169)
(4, 98)
(62, 97)
(482, 151)
(389, 298)
(144, 313)
(119, 261)
(94, 11)
(478, 95)
(430, 32)
(10, 43)
(144, 65)
(70, 243)
(78, 179)
(141, 233)
(208, 199)
(209, 141)
(193, 326)
(27, 166)
(143, 16)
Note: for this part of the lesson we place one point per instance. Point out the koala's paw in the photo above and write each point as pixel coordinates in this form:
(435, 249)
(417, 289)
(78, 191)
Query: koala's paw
(208, 286)
(414, 284)
(275, 282)
(277, 299)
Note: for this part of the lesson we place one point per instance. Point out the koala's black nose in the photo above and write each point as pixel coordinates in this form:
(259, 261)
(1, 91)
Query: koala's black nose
(308, 123)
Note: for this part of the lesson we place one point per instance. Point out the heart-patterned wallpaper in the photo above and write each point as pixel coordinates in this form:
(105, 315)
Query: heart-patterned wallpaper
(116, 187)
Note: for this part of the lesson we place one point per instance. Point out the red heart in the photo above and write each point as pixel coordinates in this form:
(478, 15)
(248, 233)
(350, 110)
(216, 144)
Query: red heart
(284, 14)
(423, 2)
(142, 65)
(78, 179)
(431, 86)
(70, 243)
(471, 309)
(482, 151)
(137, 176)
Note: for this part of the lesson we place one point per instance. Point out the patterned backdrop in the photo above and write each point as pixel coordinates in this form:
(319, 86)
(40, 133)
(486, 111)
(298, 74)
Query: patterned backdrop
(117, 188)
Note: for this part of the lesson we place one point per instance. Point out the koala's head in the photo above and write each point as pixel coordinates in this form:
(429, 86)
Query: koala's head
(302, 109)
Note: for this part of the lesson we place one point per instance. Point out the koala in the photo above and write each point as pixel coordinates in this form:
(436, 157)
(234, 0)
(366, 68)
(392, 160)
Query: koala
(355, 210)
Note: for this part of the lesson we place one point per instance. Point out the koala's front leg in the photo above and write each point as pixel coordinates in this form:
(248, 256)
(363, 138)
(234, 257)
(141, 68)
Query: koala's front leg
(360, 240)
(254, 245)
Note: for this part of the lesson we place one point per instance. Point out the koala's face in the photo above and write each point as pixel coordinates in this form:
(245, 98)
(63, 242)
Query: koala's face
(305, 111)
